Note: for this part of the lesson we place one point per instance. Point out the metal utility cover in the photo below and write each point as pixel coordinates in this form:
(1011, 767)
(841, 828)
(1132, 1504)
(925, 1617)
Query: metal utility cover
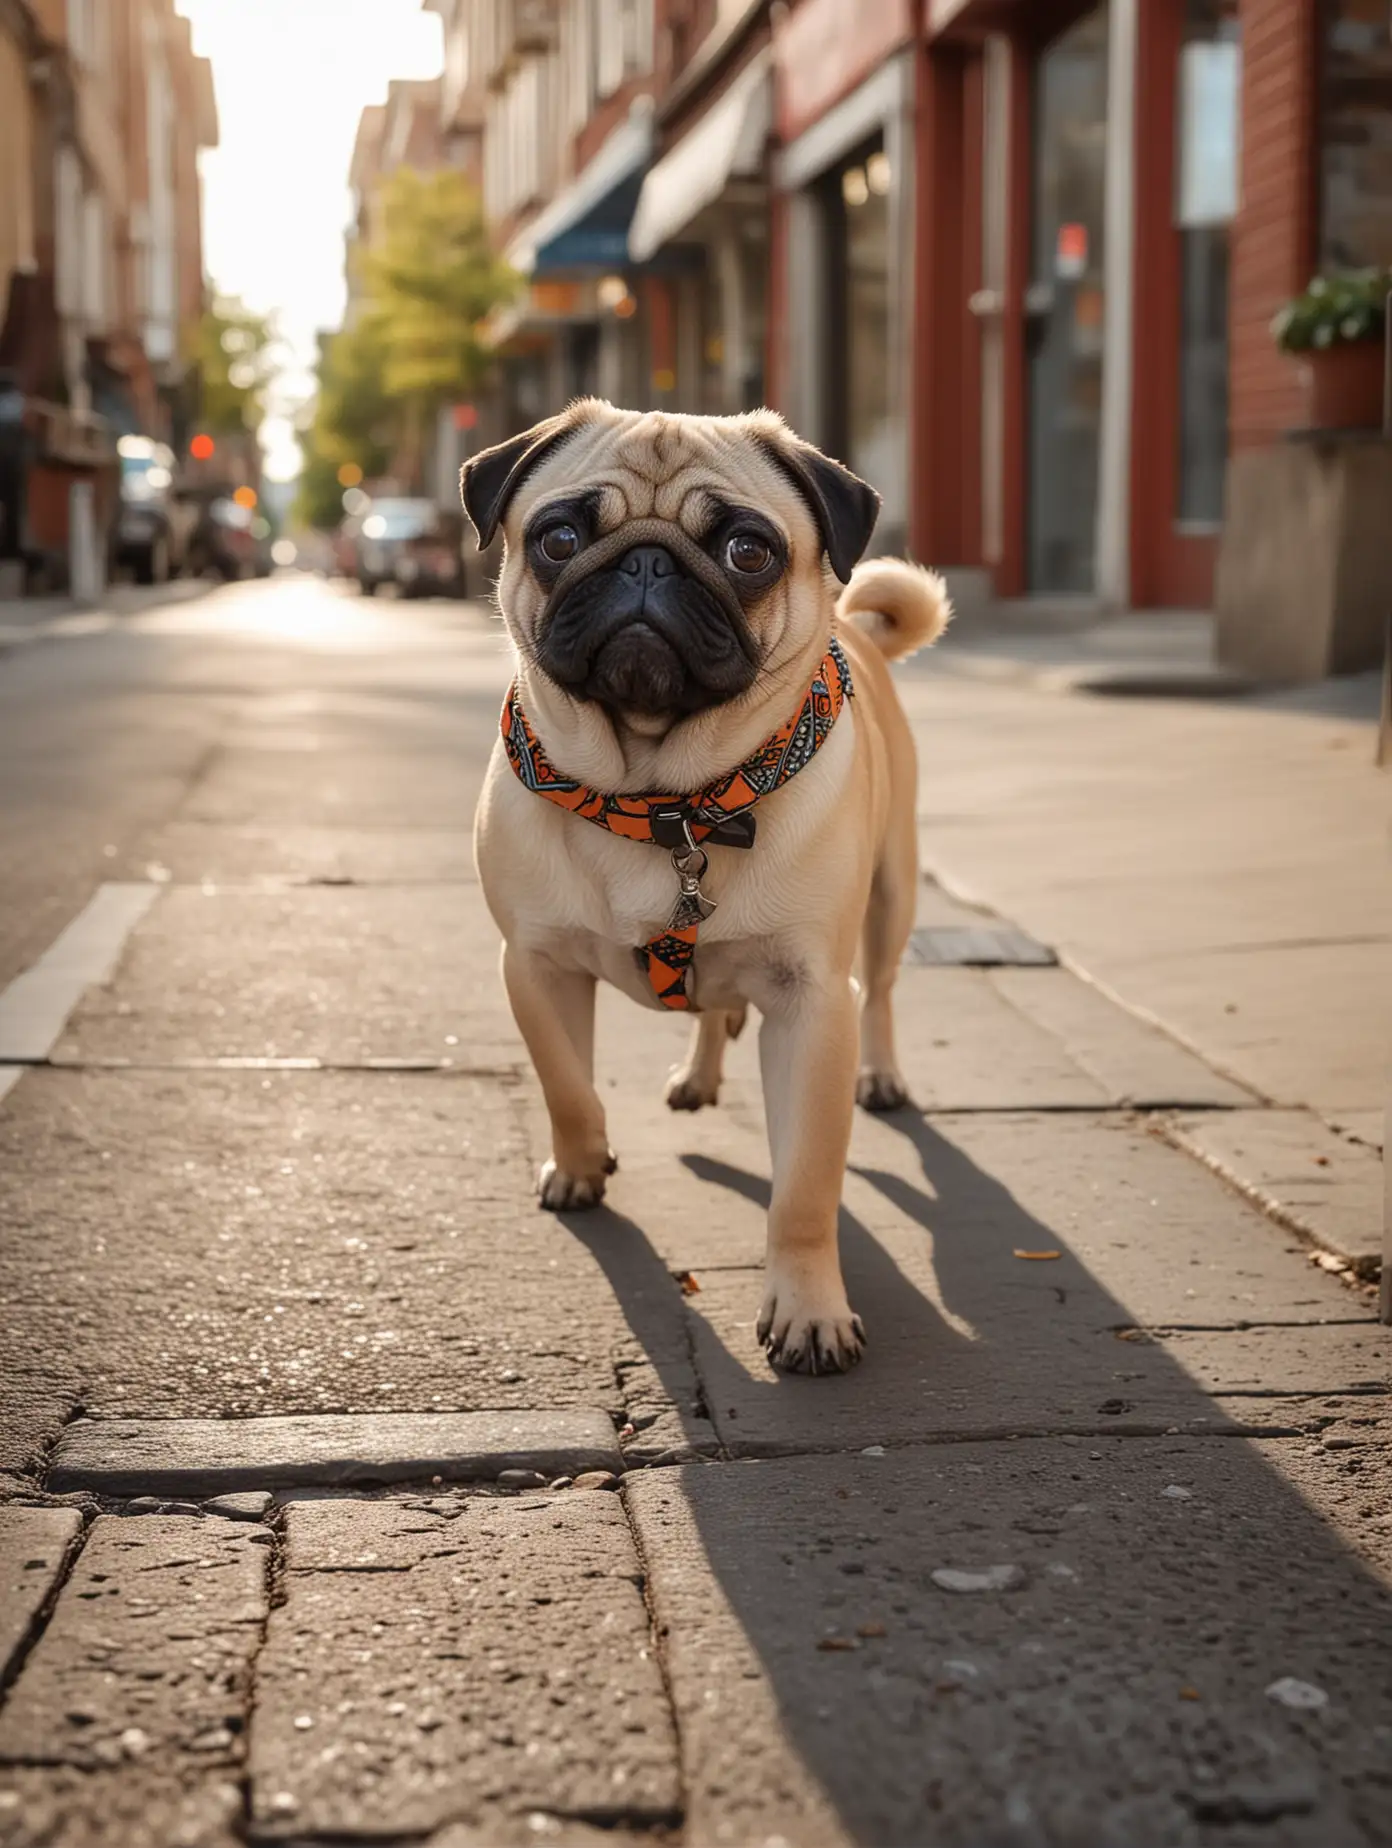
(978, 947)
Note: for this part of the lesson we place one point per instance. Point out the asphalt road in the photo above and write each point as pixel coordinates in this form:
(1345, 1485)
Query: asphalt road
(347, 1497)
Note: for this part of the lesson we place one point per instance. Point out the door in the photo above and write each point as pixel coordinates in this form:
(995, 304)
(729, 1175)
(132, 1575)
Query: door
(1064, 308)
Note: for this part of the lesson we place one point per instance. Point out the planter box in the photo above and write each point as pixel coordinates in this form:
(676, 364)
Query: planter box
(1304, 578)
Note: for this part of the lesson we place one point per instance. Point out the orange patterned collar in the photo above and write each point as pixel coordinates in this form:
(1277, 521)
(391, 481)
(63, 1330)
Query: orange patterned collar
(719, 816)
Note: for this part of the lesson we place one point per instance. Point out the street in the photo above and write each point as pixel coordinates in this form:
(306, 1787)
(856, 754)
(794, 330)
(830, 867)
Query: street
(347, 1497)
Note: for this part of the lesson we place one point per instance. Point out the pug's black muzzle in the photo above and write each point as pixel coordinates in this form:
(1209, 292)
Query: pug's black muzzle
(645, 621)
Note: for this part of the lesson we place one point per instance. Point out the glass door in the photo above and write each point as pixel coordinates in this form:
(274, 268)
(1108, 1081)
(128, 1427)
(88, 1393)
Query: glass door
(1064, 308)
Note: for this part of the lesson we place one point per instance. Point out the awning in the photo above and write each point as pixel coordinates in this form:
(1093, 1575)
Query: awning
(727, 143)
(586, 226)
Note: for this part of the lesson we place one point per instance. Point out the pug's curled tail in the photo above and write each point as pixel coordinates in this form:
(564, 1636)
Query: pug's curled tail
(901, 607)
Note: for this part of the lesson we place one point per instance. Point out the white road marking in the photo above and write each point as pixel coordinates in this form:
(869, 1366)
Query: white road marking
(35, 1007)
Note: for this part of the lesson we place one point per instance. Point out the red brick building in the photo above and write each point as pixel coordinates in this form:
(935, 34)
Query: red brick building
(1015, 260)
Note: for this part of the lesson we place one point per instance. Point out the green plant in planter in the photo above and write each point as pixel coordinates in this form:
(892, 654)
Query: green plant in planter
(1334, 311)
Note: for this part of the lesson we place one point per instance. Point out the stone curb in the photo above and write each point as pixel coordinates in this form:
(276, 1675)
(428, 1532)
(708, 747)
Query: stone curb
(210, 1456)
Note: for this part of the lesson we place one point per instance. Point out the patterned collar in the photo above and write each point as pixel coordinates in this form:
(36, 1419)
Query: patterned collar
(719, 816)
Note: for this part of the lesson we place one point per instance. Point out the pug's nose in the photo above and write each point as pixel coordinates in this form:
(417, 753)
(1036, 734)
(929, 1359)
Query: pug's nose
(645, 564)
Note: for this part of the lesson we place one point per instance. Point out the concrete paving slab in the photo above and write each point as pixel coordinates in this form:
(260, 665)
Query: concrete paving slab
(198, 853)
(1252, 1364)
(1291, 1021)
(116, 1808)
(210, 1456)
(501, 1663)
(1324, 1186)
(1144, 1234)
(1152, 1233)
(1133, 1061)
(967, 1334)
(1196, 859)
(34, 1548)
(963, 1047)
(135, 1699)
(238, 1244)
(927, 1378)
(829, 1690)
(344, 975)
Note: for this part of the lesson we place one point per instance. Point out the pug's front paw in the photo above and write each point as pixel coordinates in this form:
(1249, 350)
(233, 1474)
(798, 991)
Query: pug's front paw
(803, 1335)
(562, 1192)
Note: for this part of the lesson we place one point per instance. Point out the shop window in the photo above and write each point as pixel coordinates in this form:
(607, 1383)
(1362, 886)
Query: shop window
(860, 427)
(1355, 134)
(1206, 176)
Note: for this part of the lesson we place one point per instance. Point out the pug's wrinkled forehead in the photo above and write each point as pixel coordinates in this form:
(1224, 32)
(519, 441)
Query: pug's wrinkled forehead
(689, 471)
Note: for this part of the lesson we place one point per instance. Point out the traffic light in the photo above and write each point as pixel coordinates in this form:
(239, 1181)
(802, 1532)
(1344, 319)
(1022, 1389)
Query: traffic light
(245, 497)
(202, 447)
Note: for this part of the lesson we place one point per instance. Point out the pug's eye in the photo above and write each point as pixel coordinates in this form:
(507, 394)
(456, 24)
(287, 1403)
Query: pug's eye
(559, 543)
(748, 553)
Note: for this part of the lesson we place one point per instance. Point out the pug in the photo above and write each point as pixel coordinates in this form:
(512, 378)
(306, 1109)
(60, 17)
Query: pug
(704, 793)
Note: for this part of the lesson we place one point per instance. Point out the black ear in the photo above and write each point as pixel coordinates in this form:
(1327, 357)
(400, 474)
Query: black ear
(845, 507)
(488, 481)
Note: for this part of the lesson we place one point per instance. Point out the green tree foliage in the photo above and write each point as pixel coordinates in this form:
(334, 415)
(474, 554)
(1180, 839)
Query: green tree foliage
(237, 357)
(353, 419)
(431, 279)
(425, 282)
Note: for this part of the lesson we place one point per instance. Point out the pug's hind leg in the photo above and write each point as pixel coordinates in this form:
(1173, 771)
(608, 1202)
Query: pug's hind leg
(889, 918)
(697, 1081)
(554, 1009)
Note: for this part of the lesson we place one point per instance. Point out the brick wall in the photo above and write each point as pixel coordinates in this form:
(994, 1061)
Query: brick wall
(1274, 234)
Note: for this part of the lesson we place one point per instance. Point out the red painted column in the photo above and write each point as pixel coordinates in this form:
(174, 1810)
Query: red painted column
(936, 451)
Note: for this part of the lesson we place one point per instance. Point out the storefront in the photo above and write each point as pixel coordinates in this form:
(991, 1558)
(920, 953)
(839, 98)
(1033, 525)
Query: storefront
(1078, 169)
(703, 216)
(843, 238)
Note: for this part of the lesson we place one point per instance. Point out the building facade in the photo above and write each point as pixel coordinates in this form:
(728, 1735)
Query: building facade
(1014, 260)
(103, 110)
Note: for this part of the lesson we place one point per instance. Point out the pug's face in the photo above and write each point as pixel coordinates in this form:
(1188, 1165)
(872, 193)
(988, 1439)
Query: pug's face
(657, 564)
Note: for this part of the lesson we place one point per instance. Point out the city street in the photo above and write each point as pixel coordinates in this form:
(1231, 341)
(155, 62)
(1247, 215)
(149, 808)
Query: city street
(347, 1497)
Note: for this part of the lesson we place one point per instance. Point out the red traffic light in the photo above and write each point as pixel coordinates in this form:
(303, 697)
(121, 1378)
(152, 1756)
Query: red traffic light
(201, 448)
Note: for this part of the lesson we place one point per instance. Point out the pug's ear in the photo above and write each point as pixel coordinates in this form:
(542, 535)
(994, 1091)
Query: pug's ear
(844, 507)
(488, 481)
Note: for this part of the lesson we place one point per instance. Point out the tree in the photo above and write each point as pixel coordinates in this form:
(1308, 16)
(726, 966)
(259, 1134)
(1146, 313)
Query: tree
(237, 357)
(353, 419)
(431, 280)
(424, 286)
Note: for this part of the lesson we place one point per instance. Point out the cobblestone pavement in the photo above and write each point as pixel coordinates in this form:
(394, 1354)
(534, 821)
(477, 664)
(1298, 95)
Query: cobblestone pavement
(348, 1498)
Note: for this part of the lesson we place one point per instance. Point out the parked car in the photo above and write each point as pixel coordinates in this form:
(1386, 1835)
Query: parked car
(224, 541)
(413, 544)
(153, 524)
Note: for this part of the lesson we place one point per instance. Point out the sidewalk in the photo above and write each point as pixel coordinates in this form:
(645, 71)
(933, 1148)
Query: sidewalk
(1219, 864)
(346, 1497)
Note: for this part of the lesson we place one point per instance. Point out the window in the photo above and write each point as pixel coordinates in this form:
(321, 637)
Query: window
(624, 41)
(1206, 143)
(1355, 175)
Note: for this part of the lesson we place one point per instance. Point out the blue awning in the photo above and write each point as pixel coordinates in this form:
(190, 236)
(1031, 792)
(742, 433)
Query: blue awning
(586, 226)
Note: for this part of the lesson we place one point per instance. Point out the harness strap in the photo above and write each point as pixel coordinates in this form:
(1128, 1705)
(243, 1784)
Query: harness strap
(720, 815)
